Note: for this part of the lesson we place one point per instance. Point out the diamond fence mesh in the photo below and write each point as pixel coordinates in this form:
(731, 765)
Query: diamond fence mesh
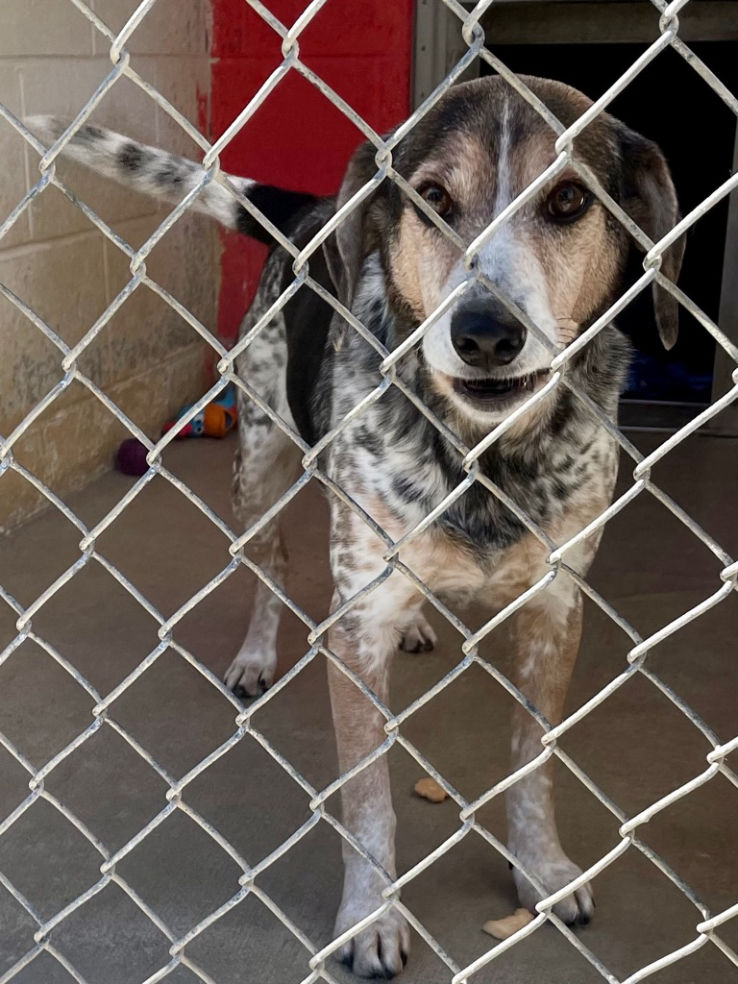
(318, 962)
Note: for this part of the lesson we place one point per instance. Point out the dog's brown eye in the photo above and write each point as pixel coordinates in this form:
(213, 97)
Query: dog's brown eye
(437, 197)
(567, 201)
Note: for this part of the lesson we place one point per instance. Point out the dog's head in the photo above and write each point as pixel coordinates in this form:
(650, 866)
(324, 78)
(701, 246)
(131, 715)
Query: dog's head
(559, 259)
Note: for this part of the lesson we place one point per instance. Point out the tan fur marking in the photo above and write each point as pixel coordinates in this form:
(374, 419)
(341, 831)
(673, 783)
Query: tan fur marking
(422, 258)
(421, 263)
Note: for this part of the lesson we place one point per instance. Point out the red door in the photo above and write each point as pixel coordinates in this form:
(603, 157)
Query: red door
(298, 138)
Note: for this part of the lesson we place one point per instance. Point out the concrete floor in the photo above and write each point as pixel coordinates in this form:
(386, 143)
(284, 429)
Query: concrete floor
(636, 747)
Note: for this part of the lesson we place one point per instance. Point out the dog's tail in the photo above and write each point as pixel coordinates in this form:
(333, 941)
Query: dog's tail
(158, 173)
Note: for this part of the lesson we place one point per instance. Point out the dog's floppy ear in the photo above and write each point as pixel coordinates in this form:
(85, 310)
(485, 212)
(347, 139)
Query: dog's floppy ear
(650, 199)
(356, 236)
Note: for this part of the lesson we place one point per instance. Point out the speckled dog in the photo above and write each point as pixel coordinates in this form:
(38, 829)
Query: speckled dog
(560, 259)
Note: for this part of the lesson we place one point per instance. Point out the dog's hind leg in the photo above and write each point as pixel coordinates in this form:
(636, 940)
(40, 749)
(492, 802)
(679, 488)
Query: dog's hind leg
(267, 464)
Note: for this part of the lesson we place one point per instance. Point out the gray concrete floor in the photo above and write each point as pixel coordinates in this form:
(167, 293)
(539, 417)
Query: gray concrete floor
(636, 747)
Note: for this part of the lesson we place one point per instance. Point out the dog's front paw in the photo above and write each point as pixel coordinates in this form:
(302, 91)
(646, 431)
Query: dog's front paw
(250, 675)
(418, 637)
(555, 871)
(380, 950)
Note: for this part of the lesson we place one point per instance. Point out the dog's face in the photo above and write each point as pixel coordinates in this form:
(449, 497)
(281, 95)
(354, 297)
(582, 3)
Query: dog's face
(559, 259)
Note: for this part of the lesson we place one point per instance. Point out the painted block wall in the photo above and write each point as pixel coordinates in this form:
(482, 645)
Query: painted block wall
(208, 60)
(146, 359)
(297, 138)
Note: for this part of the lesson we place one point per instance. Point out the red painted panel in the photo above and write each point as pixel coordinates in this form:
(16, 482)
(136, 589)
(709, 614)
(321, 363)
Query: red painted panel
(298, 138)
(240, 265)
(340, 28)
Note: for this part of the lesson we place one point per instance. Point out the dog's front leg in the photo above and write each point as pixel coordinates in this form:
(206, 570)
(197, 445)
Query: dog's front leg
(366, 644)
(546, 634)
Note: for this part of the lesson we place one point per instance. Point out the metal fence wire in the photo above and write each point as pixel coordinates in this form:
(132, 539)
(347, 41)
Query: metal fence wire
(318, 963)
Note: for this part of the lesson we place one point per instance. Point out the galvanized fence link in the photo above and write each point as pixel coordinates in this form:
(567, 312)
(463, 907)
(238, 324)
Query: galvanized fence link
(317, 961)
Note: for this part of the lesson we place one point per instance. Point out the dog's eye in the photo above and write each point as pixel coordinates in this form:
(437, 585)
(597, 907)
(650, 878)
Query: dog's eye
(437, 197)
(568, 201)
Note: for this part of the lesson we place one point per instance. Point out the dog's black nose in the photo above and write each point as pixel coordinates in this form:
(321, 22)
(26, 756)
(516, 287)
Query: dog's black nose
(484, 335)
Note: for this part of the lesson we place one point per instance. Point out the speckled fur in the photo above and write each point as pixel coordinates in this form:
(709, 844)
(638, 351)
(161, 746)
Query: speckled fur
(557, 463)
(559, 466)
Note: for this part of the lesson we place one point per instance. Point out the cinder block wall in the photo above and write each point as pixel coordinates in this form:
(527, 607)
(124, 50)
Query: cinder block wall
(146, 359)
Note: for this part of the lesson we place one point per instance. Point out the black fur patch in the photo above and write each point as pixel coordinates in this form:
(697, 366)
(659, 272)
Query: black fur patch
(308, 319)
(131, 157)
(169, 175)
(88, 135)
(282, 208)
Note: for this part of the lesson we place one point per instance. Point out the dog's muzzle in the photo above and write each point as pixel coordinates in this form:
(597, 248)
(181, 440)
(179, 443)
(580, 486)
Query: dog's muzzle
(486, 336)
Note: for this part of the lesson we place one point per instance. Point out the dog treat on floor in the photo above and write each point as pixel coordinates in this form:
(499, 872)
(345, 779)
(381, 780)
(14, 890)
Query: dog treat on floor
(501, 929)
(429, 789)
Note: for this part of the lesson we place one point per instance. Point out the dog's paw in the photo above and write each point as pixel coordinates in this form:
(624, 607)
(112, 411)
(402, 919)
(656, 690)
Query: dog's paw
(555, 872)
(381, 950)
(249, 675)
(418, 637)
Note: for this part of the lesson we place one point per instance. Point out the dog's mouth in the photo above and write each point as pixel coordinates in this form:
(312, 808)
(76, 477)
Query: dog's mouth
(493, 392)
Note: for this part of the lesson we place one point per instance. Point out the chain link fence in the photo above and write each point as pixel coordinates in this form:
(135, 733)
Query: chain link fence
(318, 961)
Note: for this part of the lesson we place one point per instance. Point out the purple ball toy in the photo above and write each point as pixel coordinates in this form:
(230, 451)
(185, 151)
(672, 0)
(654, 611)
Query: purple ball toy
(131, 457)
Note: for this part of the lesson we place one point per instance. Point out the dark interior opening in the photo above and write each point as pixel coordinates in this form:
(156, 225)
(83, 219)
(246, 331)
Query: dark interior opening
(672, 105)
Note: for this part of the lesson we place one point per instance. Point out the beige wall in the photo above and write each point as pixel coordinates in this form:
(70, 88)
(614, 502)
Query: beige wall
(146, 359)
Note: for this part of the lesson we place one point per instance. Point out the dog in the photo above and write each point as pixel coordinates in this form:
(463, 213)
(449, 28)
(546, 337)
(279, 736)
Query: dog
(548, 272)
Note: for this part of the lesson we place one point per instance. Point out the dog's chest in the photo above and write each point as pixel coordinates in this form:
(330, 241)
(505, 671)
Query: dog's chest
(411, 477)
(455, 573)
(473, 552)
